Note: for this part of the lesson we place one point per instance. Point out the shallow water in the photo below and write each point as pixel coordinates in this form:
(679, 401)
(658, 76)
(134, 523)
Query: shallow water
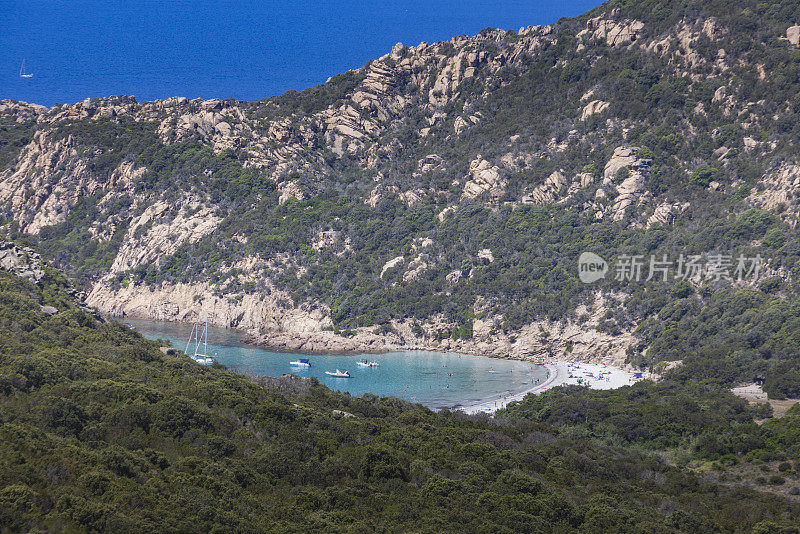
(434, 379)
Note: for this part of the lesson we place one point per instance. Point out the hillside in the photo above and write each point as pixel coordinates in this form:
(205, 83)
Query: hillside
(102, 431)
(440, 196)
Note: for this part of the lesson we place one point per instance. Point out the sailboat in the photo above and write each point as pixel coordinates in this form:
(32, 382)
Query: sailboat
(22, 73)
(200, 357)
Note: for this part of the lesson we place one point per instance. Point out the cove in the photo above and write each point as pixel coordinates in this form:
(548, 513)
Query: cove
(436, 380)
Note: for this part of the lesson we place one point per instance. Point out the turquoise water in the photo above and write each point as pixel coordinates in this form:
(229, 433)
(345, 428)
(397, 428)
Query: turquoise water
(430, 378)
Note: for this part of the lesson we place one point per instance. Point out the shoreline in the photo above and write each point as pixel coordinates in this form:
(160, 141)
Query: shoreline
(249, 337)
(559, 372)
(565, 339)
(563, 373)
(489, 406)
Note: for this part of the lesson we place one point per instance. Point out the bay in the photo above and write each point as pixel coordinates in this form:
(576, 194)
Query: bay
(436, 380)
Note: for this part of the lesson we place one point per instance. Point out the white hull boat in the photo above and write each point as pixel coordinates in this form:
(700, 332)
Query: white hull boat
(199, 356)
(22, 73)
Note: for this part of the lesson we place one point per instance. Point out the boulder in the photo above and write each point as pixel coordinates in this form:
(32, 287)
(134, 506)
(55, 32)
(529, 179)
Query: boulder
(793, 35)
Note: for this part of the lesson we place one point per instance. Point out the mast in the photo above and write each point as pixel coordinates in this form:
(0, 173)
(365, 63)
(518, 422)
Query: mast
(189, 341)
(205, 339)
(197, 339)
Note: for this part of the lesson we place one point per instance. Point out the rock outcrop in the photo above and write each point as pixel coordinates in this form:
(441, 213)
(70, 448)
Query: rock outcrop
(793, 35)
(161, 229)
(484, 177)
(613, 32)
(781, 192)
(593, 108)
(629, 174)
(48, 180)
(665, 213)
(21, 261)
(186, 302)
(28, 264)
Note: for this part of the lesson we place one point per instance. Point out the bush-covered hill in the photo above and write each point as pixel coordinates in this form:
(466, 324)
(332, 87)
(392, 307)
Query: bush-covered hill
(102, 431)
(440, 196)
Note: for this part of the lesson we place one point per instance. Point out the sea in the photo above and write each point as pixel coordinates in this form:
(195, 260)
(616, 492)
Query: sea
(224, 49)
(436, 380)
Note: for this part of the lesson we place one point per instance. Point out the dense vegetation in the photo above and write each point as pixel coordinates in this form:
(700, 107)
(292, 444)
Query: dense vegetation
(695, 417)
(697, 424)
(101, 431)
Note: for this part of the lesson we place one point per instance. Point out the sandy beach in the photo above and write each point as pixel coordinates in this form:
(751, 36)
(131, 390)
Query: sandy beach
(562, 373)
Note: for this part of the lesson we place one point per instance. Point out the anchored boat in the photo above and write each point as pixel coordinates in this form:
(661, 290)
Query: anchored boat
(200, 357)
(302, 362)
(338, 374)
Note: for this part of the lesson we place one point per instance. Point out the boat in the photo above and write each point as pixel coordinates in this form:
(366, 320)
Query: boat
(338, 374)
(22, 73)
(302, 362)
(200, 357)
(366, 363)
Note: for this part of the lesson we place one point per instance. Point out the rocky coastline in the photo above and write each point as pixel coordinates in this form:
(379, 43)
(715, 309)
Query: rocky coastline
(598, 347)
(560, 340)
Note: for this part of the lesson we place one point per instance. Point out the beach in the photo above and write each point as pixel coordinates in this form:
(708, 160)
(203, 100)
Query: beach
(563, 373)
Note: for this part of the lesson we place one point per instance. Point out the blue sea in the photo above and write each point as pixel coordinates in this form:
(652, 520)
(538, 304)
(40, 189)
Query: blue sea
(246, 50)
(434, 379)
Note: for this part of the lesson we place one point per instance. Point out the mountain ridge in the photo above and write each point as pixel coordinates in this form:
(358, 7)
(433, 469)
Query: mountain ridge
(440, 195)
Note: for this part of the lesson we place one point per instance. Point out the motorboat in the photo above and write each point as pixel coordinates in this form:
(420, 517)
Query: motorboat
(302, 362)
(366, 363)
(338, 374)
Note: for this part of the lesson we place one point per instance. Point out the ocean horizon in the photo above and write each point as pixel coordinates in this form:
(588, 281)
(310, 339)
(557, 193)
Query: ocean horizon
(213, 49)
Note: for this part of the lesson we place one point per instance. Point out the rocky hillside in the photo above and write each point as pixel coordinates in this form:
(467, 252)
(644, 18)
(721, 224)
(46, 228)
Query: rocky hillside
(440, 195)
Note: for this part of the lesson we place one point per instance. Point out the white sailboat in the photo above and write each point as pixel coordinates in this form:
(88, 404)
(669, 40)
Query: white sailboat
(200, 357)
(22, 73)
